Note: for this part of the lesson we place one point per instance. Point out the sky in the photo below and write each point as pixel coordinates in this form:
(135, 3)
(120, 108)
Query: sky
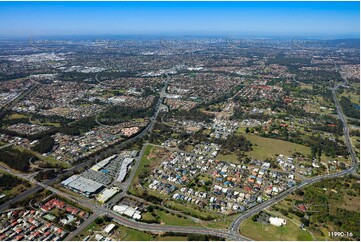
(240, 18)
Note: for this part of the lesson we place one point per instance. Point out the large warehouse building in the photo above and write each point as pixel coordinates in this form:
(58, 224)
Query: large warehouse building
(82, 185)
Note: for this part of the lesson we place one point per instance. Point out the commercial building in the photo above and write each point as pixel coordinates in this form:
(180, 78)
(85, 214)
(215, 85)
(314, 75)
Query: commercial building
(124, 168)
(82, 185)
(128, 211)
(107, 194)
(103, 163)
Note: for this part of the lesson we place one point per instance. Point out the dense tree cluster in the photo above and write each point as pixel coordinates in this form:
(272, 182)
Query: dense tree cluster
(326, 146)
(235, 143)
(16, 159)
(75, 76)
(161, 132)
(151, 198)
(194, 237)
(192, 114)
(79, 126)
(281, 60)
(5, 77)
(335, 127)
(45, 175)
(349, 108)
(38, 118)
(319, 76)
(355, 132)
(44, 145)
(7, 182)
(202, 237)
(119, 114)
(325, 207)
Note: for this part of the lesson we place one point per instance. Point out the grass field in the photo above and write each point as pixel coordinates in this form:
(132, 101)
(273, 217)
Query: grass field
(16, 116)
(46, 123)
(15, 190)
(51, 162)
(175, 220)
(189, 148)
(268, 232)
(306, 86)
(240, 131)
(266, 147)
(222, 223)
(144, 164)
(133, 235)
(231, 158)
(355, 98)
(193, 212)
(169, 219)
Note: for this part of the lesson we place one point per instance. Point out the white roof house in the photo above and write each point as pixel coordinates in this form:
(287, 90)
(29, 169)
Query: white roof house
(277, 221)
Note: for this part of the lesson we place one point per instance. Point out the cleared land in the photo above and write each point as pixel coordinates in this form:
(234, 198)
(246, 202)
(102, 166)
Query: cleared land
(265, 147)
(231, 157)
(268, 232)
(151, 157)
(16, 116)
(46, 123)
(168, 218)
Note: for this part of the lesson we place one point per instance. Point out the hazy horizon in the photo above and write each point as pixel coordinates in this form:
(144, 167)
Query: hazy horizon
(253, 19)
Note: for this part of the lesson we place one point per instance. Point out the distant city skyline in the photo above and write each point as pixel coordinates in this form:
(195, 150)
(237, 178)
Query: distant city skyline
(329, 19)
